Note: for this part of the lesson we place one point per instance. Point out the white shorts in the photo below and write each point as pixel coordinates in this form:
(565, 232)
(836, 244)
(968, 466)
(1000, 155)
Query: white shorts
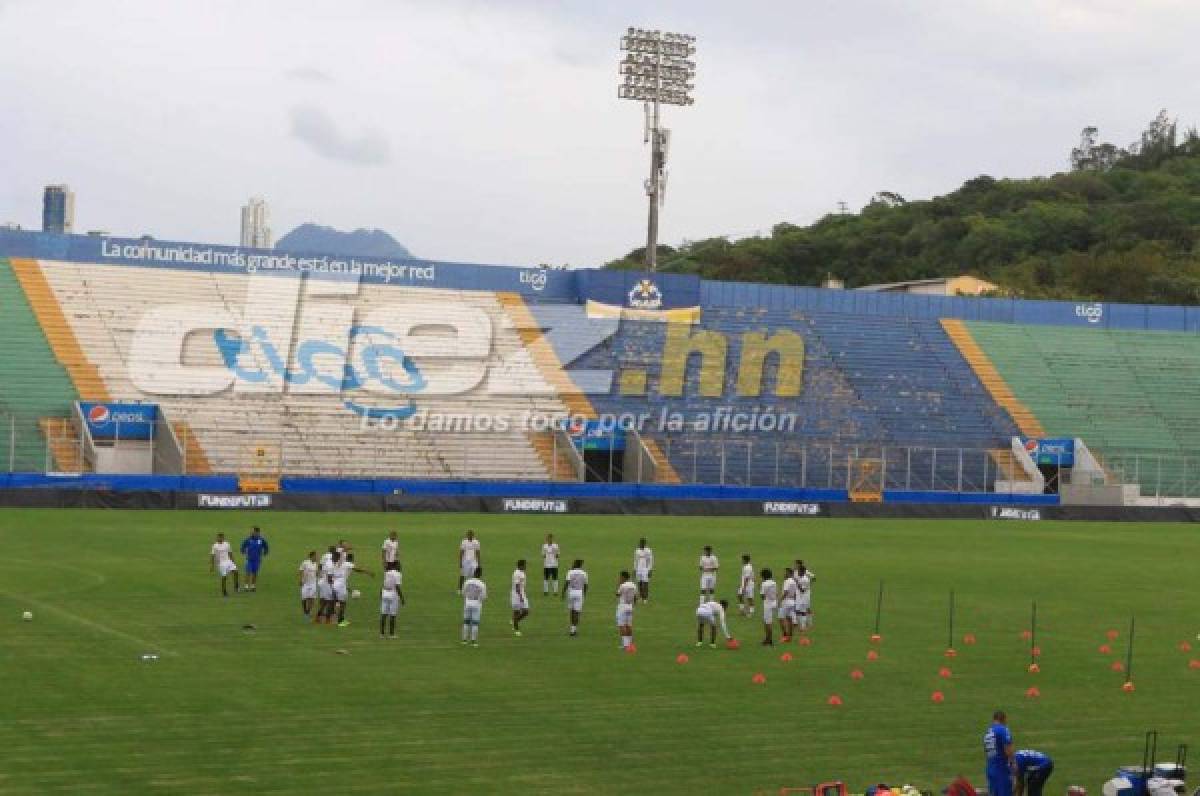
(708, 582)
(768, 611)
(747, 592)
(624, 615)
(472, 611)
(704, 615)
(339, 591)
(308, 591)
(389, 603)
(803, 606)
(788, 610)
(643, 576)
(468, 568)
(325, 590)
(575, 600)
(519, 603)
(225, 567)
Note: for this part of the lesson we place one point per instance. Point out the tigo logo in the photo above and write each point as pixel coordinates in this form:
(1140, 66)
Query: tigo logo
(98, 414)
(1092, 312)
(536, 279)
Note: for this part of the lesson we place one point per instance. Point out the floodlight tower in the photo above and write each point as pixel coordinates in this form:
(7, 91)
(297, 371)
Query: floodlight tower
(656, 70)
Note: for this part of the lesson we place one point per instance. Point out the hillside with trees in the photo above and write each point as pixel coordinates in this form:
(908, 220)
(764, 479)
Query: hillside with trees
(1123, 224)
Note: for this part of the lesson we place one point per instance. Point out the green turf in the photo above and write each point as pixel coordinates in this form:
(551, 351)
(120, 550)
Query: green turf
(276, 710)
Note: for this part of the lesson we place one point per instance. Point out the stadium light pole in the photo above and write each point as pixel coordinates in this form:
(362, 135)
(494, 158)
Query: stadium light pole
(657, 70)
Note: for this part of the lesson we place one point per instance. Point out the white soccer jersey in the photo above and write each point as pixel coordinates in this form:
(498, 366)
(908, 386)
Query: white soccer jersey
(340, 572)
(391, 548)
(470, 550)
(518, 584)
(222, 551)
(769, 591)
(709, 564)
(748, 579)
(804, 585)
(308, 572)
(326, 561)
(550, 555)
(577, 580)
(391, 581)
(643, 559)
(627, 593)
(789, 589)
(474, 590)
(713, 612)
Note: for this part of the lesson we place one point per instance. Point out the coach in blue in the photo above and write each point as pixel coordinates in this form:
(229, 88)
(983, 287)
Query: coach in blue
(998, 747)
(255, 549)
(1033, 769)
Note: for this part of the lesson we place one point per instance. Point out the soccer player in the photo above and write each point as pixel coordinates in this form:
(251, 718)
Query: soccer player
(343, 567)
(391, 597)
(307, 573)
(1033, 769)
(627, 595)
(769, 596)
(549, 565)
(803, 598)
(474, 592)
(254, 550)
(707, 615)
(577, 586)
(325, 600)
(643, 568)
(389, 553)
(470, 558)
(746, 587)
(708, 573)
(221, 560)
(519, 597)
(787, 606)
(998, 749)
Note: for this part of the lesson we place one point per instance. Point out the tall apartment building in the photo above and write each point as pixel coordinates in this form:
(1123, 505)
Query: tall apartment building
(58, 209)
(256, 224)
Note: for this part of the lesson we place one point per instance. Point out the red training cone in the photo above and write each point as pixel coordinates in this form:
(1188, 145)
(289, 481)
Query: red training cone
(1185, 646)
(969, 639)
(1026, 635)
(805, 641)
(1036, 652)
(732, 644)
(759, 679)
(856, 674)
(786, 657)
(1034, 668)
(1117, 666)
(872, 655)
(682, 658)
(944, 672)
(835, 700)
(876, 638)
(1128, 687)
(1105, 649)
(1194, 663)
(631, 649)
(938, 697)
(1032, 692)
(1112, 635)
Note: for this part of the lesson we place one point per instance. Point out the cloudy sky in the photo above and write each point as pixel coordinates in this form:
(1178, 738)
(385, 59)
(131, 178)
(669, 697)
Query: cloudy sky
(491, 132)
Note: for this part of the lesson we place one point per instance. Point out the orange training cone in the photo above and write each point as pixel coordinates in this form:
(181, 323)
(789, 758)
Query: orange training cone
(682, 658)
(938, 697)
(835, 700)
(759, 678)
(856, 674)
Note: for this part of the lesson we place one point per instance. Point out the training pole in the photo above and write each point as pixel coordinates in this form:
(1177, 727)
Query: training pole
(1129, 654)
(878, 607)
(950, 640)
(1033, 633)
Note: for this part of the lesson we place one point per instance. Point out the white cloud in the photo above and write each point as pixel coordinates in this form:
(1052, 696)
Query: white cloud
(319, 130)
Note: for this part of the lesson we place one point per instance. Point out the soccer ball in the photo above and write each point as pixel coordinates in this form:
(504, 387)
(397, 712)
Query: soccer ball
(355, 594)
(27, 616)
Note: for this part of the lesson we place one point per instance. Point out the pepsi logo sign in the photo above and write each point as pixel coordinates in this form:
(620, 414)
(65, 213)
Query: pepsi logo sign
(99, 414)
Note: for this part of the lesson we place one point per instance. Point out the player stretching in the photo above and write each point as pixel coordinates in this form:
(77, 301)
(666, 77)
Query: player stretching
(519, 597)
(577, 586)
(643, 568)
(707, 615)
(389, 553)
(746, 587)
(307, 574)
(769, 596)
(474, 592)
(627, 595)
(391, 597)
(342, 569)
(708, 573)
(470, 558)
(549, 565)
(787, 607)
(221, 560)
(254, 550)
(803, 598)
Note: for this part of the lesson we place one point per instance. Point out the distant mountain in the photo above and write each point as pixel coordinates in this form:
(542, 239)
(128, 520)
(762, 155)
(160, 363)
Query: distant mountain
(360, 243)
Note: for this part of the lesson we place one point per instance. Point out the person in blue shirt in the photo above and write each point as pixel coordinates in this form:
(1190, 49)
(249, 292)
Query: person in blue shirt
(998, 748)
(1033, 769)
(254, 548)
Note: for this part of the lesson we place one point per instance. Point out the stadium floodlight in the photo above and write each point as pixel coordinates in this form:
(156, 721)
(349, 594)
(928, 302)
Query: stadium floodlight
(656, 70)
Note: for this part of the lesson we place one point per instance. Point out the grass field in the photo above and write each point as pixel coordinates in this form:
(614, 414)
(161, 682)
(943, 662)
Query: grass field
(223, 710)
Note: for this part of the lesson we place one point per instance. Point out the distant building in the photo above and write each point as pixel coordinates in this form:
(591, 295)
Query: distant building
(58, 209)
(98, 233)
(11, 225)
(256, 224)
(942, 286)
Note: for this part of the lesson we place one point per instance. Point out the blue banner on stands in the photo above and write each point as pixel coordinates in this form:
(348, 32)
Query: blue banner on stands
(119, 421)
(595, 435)
(1060, 451)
